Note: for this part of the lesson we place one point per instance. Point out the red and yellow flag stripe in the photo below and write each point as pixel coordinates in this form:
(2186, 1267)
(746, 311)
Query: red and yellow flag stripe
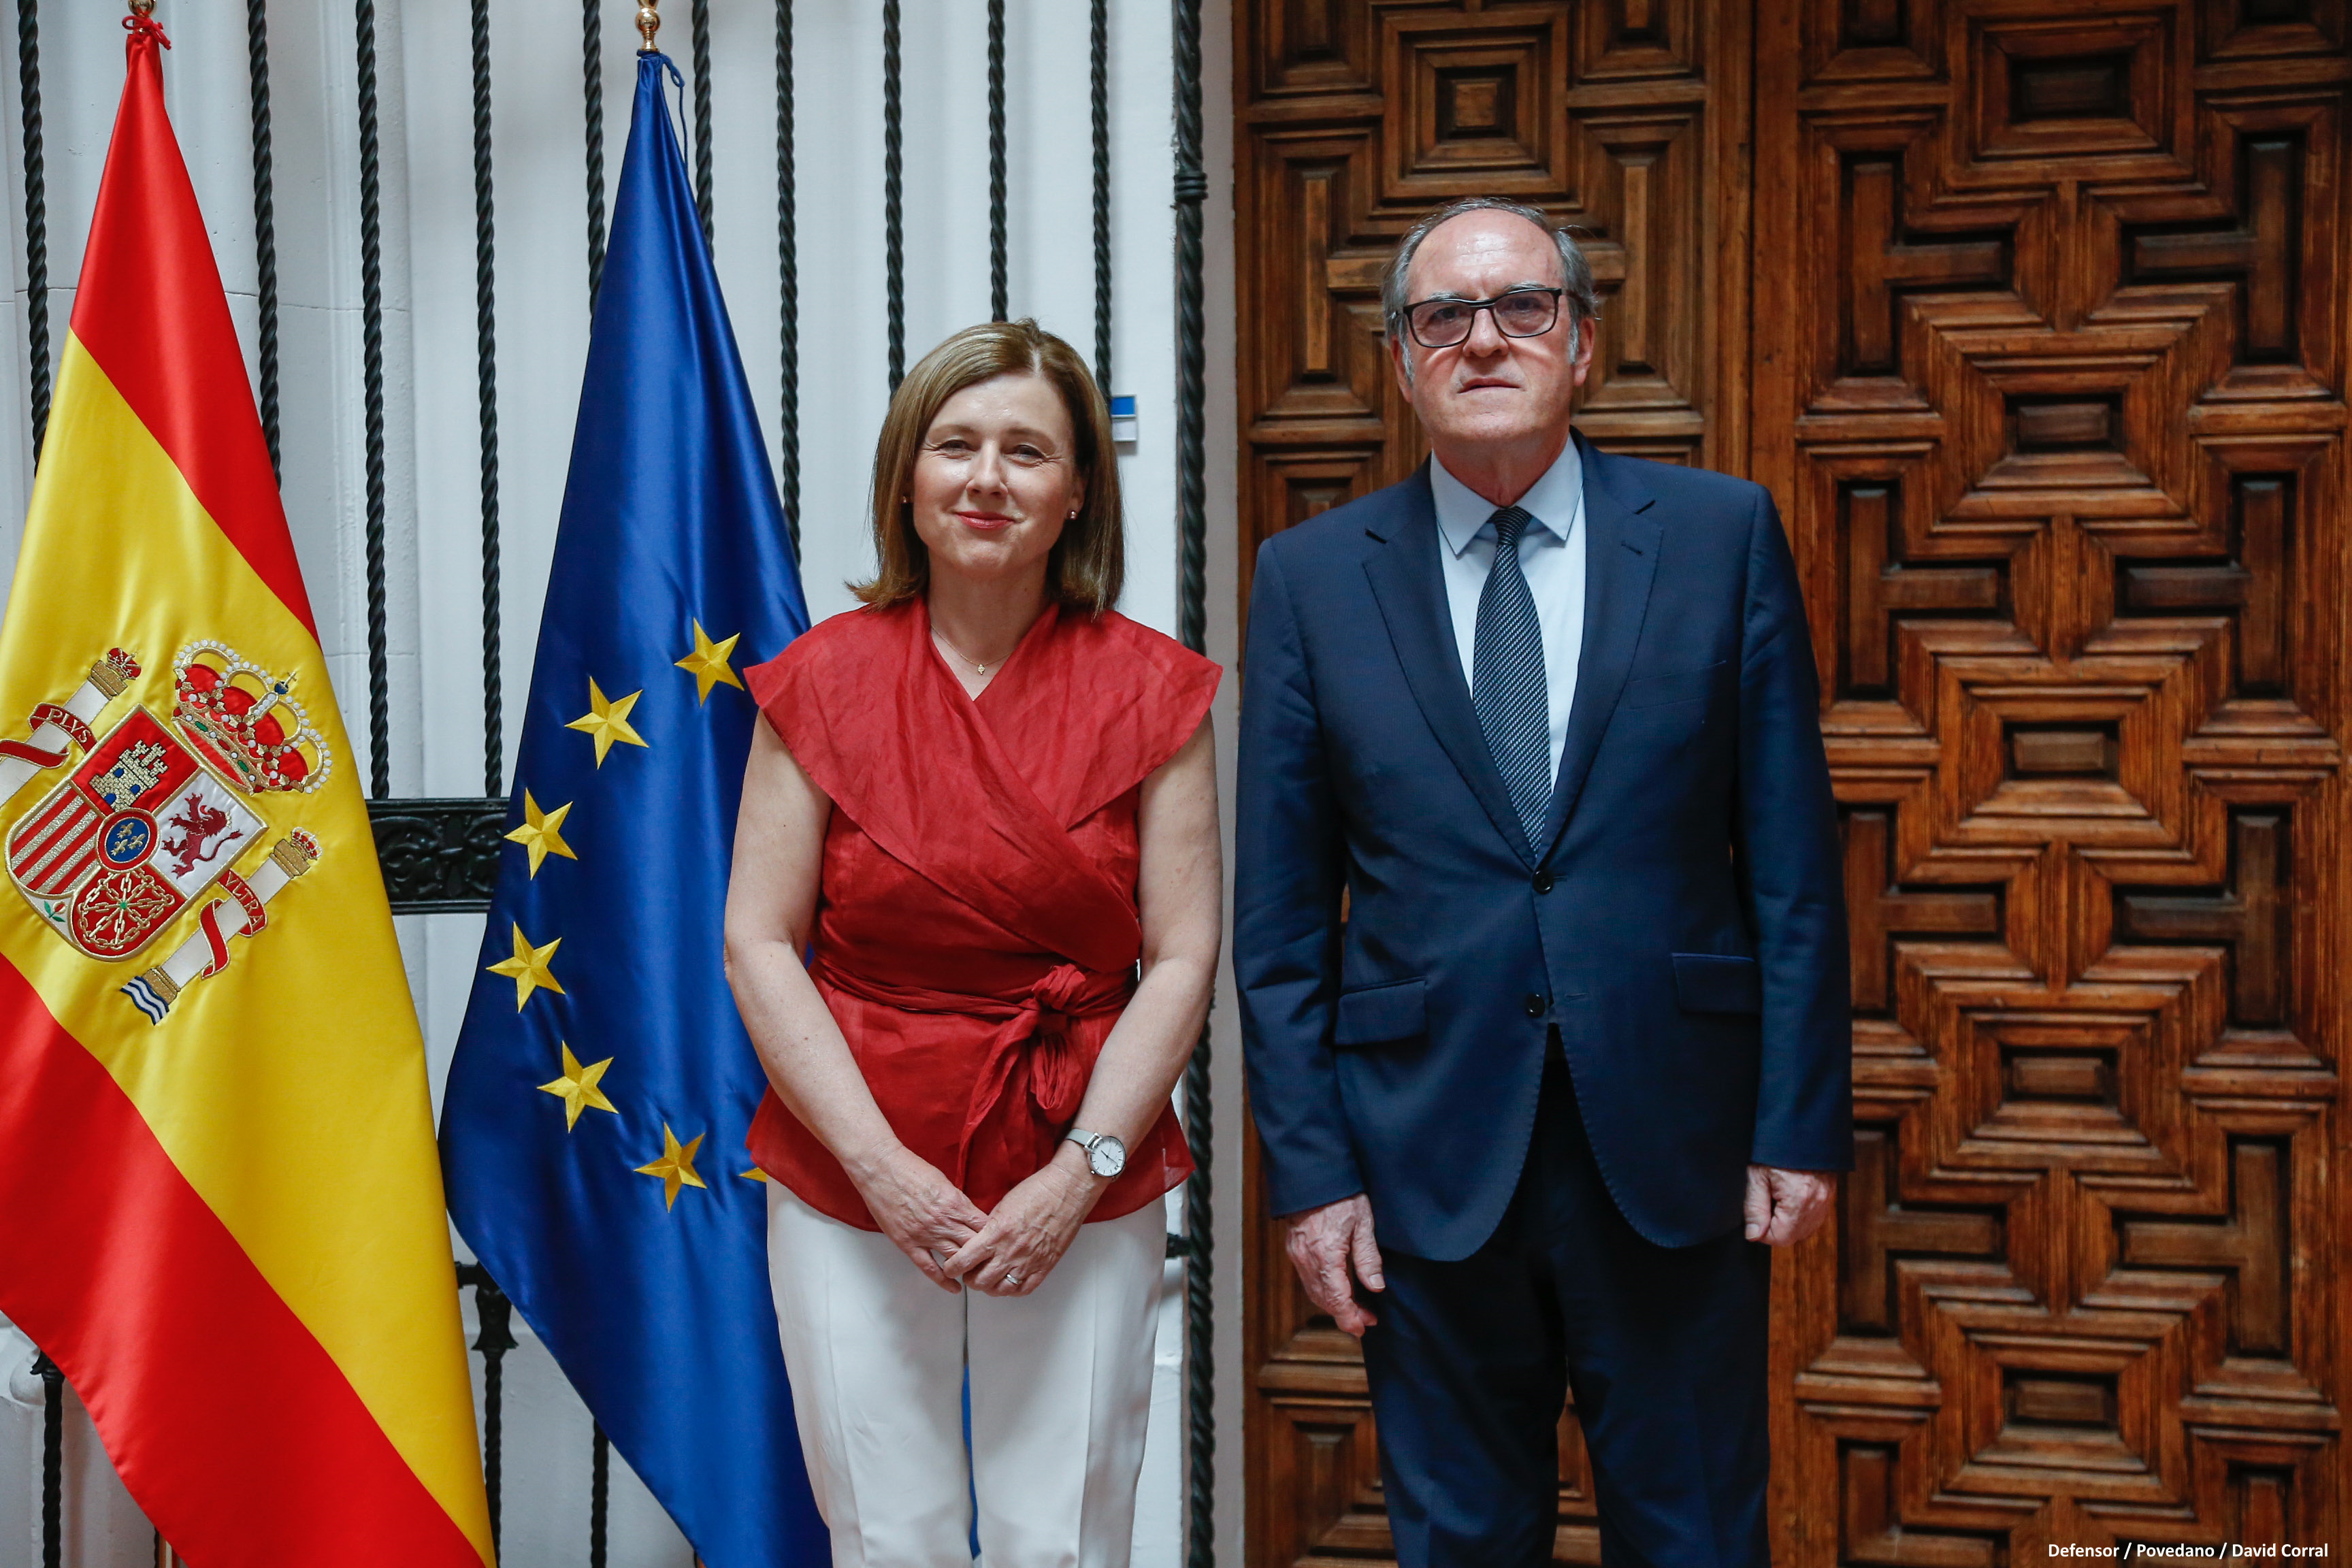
(227, 1229)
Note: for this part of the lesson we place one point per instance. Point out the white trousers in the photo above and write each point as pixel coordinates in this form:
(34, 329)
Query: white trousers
(1061, 1392)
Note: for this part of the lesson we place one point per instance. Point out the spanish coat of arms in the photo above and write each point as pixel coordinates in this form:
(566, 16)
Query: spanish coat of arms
(157, 814)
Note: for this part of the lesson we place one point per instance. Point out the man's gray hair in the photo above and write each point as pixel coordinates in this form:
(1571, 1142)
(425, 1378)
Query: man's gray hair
(1576, 273)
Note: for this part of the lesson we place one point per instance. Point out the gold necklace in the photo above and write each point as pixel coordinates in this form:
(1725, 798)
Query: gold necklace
(942, 638)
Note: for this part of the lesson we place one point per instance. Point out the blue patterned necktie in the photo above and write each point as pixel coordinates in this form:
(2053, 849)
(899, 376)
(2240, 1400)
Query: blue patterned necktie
(1506, 680)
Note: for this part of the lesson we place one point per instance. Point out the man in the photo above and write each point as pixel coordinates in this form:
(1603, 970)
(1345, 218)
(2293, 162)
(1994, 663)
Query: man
(1540, 933)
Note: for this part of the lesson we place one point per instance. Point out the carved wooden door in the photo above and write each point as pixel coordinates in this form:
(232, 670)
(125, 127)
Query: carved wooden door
(2051, 305)
(2047, 373)
(1354, 118)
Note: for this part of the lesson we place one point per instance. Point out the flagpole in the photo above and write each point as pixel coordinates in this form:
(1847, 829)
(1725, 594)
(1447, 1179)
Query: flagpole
(599, 1445)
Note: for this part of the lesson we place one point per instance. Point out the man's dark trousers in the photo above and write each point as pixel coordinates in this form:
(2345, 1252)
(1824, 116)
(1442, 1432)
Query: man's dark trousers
(1666, 1348)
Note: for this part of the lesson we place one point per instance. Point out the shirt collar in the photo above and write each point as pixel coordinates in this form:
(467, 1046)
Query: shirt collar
(1553, 500)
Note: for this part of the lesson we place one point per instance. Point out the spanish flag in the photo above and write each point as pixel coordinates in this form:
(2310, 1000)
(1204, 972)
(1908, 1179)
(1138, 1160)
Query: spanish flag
(220, 1204)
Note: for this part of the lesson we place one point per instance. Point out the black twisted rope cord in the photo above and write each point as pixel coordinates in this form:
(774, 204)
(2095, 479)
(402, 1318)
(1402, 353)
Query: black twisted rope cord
(264, 224)
(592, 74)
(894, 238)
(1192, 189)
(36, 217)
(1200, 1322)
(486, 379)
(999, 284)
(788, 287)
(371, 387)
(493, 1438)
(599, 1492)
(495, 1315)
(53, 1459)
(699, 31)
(1100, 81)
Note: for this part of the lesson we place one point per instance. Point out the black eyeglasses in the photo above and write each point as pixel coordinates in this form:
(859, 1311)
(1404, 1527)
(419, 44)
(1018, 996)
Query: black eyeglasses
(1519, 313)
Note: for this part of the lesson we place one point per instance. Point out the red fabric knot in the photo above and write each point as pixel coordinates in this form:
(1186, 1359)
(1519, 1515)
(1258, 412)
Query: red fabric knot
(1057, 1079)
(1035, 1042)
(143, 27)
(1032, 1042)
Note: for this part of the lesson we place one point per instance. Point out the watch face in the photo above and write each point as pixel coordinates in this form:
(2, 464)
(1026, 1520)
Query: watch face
(1109, 1157)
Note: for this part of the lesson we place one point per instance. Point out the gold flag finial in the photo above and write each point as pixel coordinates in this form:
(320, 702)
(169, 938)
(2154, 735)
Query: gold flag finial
(144, 9)
(649, 23)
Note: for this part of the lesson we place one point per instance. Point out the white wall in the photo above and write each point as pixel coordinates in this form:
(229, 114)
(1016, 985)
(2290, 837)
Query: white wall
(433, 523)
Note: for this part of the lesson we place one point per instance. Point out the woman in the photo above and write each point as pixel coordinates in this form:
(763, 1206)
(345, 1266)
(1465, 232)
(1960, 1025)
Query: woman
(985, 806)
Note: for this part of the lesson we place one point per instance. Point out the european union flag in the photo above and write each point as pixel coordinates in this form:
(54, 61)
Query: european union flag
(592, 1131)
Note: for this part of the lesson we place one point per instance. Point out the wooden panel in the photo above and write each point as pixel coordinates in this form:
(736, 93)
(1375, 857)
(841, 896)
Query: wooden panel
(2058, 436)
(1354, 118)
(2047, 372)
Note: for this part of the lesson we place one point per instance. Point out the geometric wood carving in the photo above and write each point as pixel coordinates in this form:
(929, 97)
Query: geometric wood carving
(2249, 1244)
(2031, 313)
(2057, 425)
(2249, 917)
(1879, 1230)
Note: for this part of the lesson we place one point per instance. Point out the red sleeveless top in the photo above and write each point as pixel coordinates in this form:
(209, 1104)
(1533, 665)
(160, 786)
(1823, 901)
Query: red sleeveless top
(976, 925)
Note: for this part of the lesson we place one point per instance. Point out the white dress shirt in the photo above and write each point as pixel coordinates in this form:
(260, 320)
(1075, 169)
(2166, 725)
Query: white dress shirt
(1551, 554)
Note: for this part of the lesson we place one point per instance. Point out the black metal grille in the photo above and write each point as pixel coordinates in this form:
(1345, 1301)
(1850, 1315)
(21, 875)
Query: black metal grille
(1192, 189)
(494, 1317)
(441, 855)
(265, 227)
(485, 396)
(1000, 292)
(788, 287)
(372, 378)
(37, 213)
(893, 233)
(698, 39)
(592, 73)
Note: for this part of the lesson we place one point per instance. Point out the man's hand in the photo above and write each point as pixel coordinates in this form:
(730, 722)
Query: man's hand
(1329, 1244)
(1782, 1206)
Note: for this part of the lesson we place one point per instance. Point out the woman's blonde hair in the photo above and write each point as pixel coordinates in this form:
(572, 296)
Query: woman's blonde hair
(1089, 562)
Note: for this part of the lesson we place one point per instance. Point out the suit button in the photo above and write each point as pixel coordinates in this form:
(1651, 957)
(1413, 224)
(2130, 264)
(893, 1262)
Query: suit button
(1534, 1004)
(1543, 881)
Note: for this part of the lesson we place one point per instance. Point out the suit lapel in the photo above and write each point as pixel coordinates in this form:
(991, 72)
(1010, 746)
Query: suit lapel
(1620, 559)
(1409, 586)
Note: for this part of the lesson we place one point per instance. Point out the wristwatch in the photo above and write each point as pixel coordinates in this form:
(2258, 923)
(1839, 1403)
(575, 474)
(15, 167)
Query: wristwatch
(1106, 1156)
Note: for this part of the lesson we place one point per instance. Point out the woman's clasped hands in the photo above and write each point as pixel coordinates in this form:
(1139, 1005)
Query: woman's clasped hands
(1007, 1252)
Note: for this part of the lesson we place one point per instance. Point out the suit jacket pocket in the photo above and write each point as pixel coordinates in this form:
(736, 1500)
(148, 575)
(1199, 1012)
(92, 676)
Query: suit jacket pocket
(1398, 1011)
(1685, 686)
(1718, 982)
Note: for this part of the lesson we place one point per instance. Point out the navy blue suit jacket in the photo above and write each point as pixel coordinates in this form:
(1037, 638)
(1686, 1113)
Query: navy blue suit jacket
(1683, 925)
